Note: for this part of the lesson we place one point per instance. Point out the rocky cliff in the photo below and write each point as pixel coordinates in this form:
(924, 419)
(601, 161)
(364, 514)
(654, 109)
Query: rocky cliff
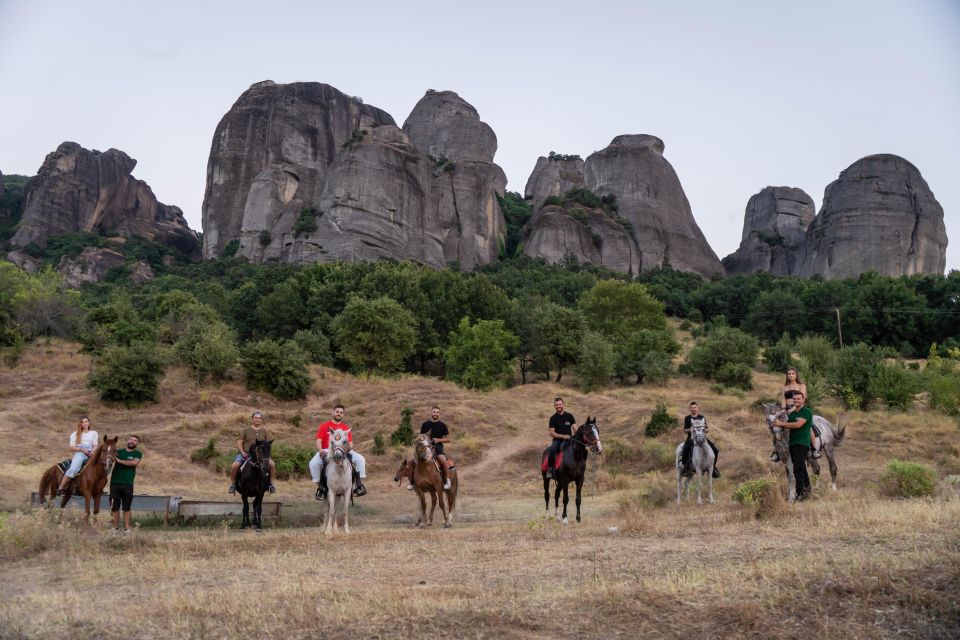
(553, 175)
(81, 190)
(879, 215)
(774, 231)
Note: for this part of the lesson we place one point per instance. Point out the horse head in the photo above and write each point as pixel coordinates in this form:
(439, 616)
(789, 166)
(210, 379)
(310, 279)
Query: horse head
(339, 446)
(774, 413)
(699, 434)
(108, 453)
(402, 471)
(260, 452)
(423, 446)
(590, 433)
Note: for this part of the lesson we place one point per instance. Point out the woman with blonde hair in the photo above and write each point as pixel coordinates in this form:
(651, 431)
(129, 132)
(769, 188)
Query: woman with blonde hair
(82, 443)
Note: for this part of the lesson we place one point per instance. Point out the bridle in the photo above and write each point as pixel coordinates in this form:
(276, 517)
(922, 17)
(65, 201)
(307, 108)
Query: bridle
(586, 442)
(425, 445)
(777, 432)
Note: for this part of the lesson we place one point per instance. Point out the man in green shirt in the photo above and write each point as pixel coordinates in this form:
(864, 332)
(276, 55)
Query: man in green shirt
(798, 422)
(121, 482)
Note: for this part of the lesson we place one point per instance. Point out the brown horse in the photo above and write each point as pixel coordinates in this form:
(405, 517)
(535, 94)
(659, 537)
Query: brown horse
(423, 472)
(90, 482)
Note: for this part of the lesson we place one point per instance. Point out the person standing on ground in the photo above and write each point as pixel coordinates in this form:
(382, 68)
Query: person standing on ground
(121, 482)
(798, 422)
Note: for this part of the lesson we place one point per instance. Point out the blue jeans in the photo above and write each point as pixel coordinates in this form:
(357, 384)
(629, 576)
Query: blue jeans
(78, 458)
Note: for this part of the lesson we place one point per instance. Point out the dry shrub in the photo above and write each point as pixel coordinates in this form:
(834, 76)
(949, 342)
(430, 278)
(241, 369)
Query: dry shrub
(604, 480)
(634, 508)
(659, 455)
(950, 487)
(907, 480)
(761, 496)
(469, 448)
(25, 535)
(749, 466)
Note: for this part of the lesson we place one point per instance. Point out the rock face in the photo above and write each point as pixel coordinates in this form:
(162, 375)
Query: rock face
(269, 159)
(90, 266)
(774, 231)
(652, 201)
(552, 177)
(465, 182)
(81, 190)
(879, 215)
(591, 236)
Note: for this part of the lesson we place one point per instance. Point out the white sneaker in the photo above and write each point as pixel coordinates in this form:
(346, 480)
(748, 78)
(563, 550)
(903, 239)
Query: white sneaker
(446, 485)
(409, 487)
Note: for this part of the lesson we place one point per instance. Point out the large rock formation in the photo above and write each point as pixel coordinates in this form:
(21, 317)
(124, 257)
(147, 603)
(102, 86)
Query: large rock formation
(465, 182)
(81, 190)
(269, 159)
(652, 201)
(774, 231)
(556, 233)
(879, 215)
(553, 176)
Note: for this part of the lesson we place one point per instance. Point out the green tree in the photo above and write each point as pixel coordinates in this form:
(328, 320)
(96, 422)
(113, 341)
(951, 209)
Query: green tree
(618, 309)
(721, 346)
(375, 334)
(596, 362)
(279, 368)
(209, 348)
(130, 373)
(646, 353)
(315, 344)
(403, 434)
(850, 376)
(774, 313)
(480, 356)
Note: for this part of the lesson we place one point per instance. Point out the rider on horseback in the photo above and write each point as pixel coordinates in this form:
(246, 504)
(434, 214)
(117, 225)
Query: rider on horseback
(561, 428)
(318, 462)
(695, 419)
(439, 433)
(245, 440)
(82, 443)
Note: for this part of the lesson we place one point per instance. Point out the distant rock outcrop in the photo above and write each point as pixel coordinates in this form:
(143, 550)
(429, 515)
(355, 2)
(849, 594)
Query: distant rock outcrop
(553, 176)
(879, 215)
(774, 231)
(465, 182)
(81, 190)
(652, 201)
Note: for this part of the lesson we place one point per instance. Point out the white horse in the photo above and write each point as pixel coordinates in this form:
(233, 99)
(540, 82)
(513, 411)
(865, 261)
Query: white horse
(339, 473)
(830, 438)
(701, 461)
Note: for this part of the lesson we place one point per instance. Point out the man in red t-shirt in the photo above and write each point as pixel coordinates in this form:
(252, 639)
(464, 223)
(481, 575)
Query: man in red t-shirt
(317, 464)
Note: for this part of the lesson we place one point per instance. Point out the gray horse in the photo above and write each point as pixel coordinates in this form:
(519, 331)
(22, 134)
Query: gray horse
(830, 437)
(339, 474)
(701, 461)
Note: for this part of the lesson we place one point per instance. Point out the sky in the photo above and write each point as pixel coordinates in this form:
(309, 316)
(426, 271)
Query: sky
(745, 94)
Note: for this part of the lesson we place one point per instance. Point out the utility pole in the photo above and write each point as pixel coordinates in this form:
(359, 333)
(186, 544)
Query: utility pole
(839, 332)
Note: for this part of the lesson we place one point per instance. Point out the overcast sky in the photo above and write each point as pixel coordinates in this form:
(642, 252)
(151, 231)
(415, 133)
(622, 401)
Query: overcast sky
(744, 94)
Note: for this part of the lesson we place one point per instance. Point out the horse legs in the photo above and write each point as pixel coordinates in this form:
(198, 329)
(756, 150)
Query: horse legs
(709, 473)
(679, 485)
(556, 501)
(791, 482)
(546, 492)
(828, 450)
(421, 521)
(699, 486)
(331, 511)
(258, 511)
(433, 506)
(245, 518)
(579, 487)
(566, 500)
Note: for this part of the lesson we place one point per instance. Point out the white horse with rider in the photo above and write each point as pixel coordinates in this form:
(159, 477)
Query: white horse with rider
(701, 462)
(339, 475)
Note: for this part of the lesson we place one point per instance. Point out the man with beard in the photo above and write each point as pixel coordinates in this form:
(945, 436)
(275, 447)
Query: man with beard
(121, 482)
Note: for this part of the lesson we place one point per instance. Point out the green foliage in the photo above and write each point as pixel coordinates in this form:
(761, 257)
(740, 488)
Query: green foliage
(11, 205)
(210, 457)
(129, 374)
(736, 375)
(819, 354)
(908, 480)
(618, 309)
(647, 355)
(376, 334)
(480, 356)
(550, 335)
(209, 348)
(403, 435)
(596, 362)
(760, 496)
(893, 385)
(116, 321)
(779, 357)
(35, 305)
(722, 346)
(563, 156)
(315, 344)
(231, 248)
(291, 460)
(944, 392)
(265, 237)
(850, 376)
(379, 447)
(516, 213)
(279, 368)
(661, 421)
(306, 221)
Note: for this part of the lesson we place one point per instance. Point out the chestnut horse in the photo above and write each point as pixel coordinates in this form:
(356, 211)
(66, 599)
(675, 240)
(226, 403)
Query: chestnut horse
(405, 471)
(90, 482)
(426, 479)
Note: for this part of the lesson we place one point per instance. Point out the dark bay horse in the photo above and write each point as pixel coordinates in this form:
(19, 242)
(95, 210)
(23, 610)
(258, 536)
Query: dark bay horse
(253, 480)
(89, 483)
(573, 466)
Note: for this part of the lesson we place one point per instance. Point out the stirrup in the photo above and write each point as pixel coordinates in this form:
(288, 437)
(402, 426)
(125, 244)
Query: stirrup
(360, 490)
(774, 457)
(272, 489)
(716, 474)
(232, 488)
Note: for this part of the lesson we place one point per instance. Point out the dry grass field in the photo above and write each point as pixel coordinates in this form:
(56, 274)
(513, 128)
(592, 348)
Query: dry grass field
(849, 564)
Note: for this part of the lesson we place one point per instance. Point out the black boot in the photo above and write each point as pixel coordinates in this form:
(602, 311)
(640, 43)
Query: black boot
(686, 471)
(716, 474)
(359, 489)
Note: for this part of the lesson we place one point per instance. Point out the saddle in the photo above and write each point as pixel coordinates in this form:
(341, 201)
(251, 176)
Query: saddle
(450, 464)
(65, 464)
(557, 461)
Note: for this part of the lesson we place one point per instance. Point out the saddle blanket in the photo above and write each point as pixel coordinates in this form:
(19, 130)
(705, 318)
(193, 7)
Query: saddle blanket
(558, 460)
(65, 464)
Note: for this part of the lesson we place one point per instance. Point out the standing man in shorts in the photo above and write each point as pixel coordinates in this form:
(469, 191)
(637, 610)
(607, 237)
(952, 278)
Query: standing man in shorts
(121, 482)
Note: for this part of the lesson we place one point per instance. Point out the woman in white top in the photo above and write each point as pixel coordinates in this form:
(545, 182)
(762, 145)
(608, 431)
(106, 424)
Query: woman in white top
(82, 442)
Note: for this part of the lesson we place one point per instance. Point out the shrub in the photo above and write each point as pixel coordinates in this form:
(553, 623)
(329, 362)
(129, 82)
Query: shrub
(646, 355)
(315, 344)
(379, 446)
(480, 356)
(944, 393)
(306, 222)
(291, 460)
(619, 309)
(375, 334)
(231, 248)
(850, 376)
(129, 374)
(209, 456)
(893, 385)
(779, 357)
(908, 480)
(208, 348)
(736, 375)
(403, 435)
(660, 421)
(279, 368)
(265, 237)
(761, 497)
(819, 354)
(721, 346)
(596, 362)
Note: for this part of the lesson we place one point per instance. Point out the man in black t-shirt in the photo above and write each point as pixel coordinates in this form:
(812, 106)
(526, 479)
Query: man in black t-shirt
(561, 427)
(695, 419)
(439, 434)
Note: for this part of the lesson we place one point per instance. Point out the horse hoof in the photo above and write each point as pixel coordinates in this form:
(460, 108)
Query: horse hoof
(565, 521)
(447, 525)
(833, 485)
(578, 518)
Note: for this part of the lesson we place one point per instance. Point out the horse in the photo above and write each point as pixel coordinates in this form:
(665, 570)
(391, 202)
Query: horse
(424, 474)
(701, 460)
(253, 480)
(90, 482)
(573, 466)
(339, 475)
(830, 438)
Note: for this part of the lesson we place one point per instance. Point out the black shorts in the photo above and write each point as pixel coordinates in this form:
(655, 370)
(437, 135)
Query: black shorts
(438, 449)
(121, 495)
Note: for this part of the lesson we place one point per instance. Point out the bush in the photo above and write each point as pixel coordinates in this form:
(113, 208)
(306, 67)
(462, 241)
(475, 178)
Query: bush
(404, 432)
(660, 421)
(850, 376)
(129, 374)
(944, 393)
(306, 222)
(480, 356)
(646, 355)
(265, 239)
(721, 346)
(779, 357)
(596, 362)
(292, 460)
(736, 375)
(208, 348)
(908, 480)
(893, 385)
(819, 354)
(761, 497)
(279, 368)
(375, 334)
(379, 447)
(315, 344)
(209, 456)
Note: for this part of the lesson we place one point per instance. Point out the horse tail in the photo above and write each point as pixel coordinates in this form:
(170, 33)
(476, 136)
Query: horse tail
(840, 431)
